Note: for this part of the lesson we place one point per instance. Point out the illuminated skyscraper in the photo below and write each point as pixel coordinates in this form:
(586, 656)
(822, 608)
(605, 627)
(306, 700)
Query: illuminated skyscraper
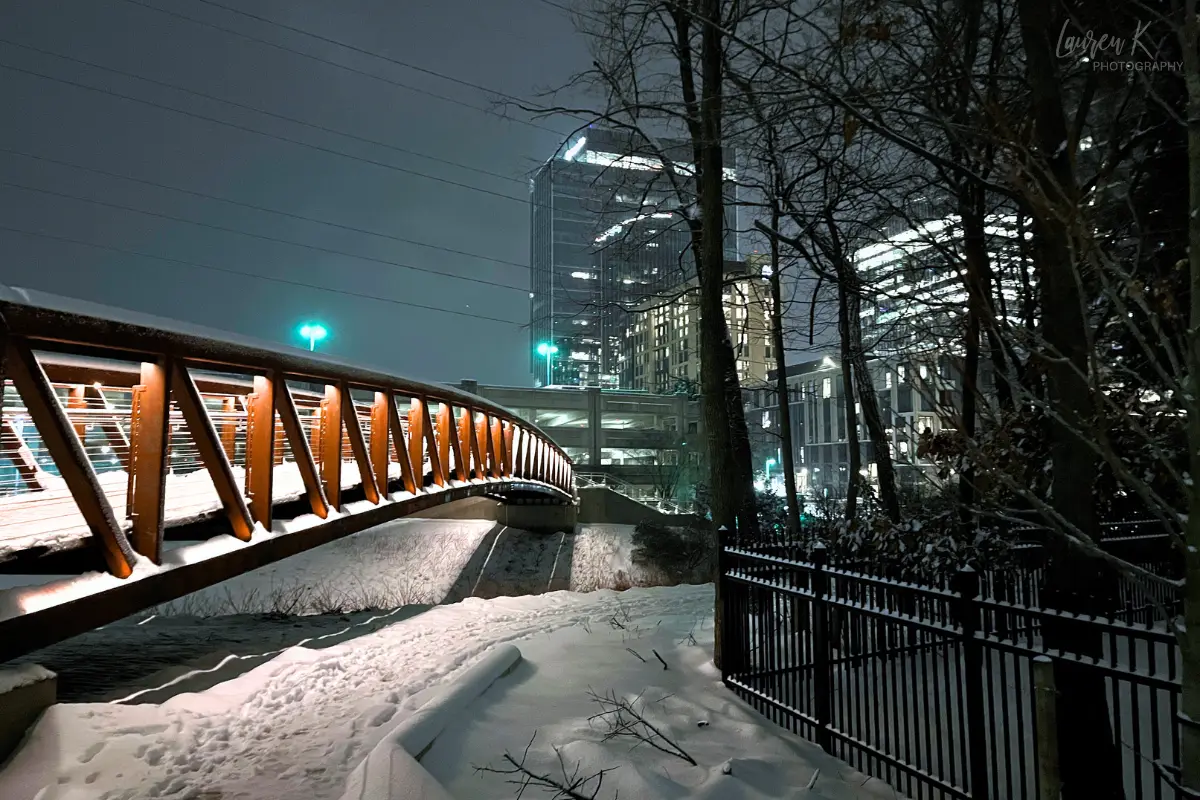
(607, 231)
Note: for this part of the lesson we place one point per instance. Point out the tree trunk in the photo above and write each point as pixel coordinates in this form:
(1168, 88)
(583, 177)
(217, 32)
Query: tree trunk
(971, 210)
(847, 350)
(1089, 758)
(731, 477)
(1188, 634)
(781, 387)
(847, 277)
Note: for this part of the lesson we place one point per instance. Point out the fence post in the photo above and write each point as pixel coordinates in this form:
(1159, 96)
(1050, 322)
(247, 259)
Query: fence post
(822, 702)
(724, 631)
(966, 585)
(1046, 720)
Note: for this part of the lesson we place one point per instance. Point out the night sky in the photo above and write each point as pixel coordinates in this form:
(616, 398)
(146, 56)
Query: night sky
(516, 47)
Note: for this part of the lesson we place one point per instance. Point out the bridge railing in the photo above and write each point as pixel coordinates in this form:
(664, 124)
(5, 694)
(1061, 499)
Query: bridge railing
(644, 496)
(114, 426)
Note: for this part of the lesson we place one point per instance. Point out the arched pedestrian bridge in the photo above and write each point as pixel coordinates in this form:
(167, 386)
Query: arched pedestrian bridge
(123, 435)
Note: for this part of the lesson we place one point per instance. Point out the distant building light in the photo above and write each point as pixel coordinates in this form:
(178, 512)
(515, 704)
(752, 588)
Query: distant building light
(575, 148)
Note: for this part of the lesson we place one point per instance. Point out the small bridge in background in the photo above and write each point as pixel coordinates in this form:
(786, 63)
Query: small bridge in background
(122, 435)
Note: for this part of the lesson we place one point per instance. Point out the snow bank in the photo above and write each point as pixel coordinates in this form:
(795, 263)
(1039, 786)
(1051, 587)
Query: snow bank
(549, 703)
(409, 561)
(299, 725)
(390, 771)
(24, 675)
(416, 561)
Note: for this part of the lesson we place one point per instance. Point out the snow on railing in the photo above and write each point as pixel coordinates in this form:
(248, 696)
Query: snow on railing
(162, 424)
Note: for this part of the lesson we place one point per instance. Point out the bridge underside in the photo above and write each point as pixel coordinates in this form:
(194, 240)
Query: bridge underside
(35, 617)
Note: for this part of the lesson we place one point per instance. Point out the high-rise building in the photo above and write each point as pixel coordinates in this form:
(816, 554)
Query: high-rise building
(662, 346)
(913, 271)
(607, 231)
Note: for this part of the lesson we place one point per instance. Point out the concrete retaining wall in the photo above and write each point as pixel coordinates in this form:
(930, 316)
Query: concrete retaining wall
(600, 505)
(25, 692)
(536, 518)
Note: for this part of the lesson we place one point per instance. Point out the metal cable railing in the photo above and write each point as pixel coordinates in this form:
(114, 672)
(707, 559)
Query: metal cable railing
(158, 427)
(642, 495)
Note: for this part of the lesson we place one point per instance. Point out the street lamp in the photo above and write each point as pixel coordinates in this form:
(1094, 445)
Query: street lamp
(548, 350)
(314, 332)
(770, 463)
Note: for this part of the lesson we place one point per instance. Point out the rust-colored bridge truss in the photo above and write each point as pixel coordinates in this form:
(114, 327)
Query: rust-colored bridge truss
(117, 430)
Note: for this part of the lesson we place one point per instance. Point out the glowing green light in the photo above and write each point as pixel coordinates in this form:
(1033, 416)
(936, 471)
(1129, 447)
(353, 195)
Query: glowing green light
(313, 332)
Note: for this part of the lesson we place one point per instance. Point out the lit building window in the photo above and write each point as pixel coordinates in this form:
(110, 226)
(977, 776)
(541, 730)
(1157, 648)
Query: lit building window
(826, 387)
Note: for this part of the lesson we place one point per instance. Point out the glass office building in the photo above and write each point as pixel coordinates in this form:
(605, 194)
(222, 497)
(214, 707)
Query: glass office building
(607, 231)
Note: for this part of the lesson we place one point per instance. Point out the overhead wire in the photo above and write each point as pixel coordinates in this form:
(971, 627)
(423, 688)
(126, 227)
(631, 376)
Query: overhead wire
(254, 275)
(255, 207)
(260, 236)
(364, 73)
(286, 140)
(361, 50)
(248, 129)
(247, 107)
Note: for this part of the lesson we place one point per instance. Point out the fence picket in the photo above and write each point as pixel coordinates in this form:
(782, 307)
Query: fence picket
(955, 717)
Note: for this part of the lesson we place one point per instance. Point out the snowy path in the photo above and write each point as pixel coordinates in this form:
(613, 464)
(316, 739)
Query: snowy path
(295, 726)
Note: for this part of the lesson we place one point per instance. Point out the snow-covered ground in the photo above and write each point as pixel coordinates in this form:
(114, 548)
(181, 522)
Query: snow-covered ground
(298, 724)
(422, 561)
(408, 564)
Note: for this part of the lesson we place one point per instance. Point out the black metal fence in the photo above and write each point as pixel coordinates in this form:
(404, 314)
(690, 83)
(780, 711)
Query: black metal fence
(932, 689)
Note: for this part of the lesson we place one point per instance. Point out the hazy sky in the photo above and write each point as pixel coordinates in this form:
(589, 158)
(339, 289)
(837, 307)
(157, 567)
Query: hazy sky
(512, 46)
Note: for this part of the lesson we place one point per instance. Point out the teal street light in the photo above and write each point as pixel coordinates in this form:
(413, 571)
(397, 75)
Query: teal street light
(314, 333)
(770, 463)
(548, 350)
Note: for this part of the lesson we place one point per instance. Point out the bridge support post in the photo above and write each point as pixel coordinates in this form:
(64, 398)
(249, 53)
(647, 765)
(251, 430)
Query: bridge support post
(149, 437)
(330, 457)
(497, 448)
(380, 425)
(444, 437)
(76, 402)
(260, 449)
(229, 428)
(508, 449)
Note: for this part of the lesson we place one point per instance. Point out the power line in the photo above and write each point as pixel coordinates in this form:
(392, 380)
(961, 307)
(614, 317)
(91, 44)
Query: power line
(302, 284)
(263, 237)
(264, 112)
(247, 129)
(361, 50)
(364, 73)
(264, 209)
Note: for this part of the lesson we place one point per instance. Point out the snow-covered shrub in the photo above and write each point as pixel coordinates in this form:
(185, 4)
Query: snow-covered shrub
(681, 554)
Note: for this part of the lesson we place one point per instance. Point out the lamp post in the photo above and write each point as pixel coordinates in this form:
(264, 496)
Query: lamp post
(548, 350)
(770, 463)
(314, 333)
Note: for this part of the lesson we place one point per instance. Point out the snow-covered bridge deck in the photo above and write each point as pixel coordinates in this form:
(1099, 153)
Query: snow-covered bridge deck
(116, 427)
